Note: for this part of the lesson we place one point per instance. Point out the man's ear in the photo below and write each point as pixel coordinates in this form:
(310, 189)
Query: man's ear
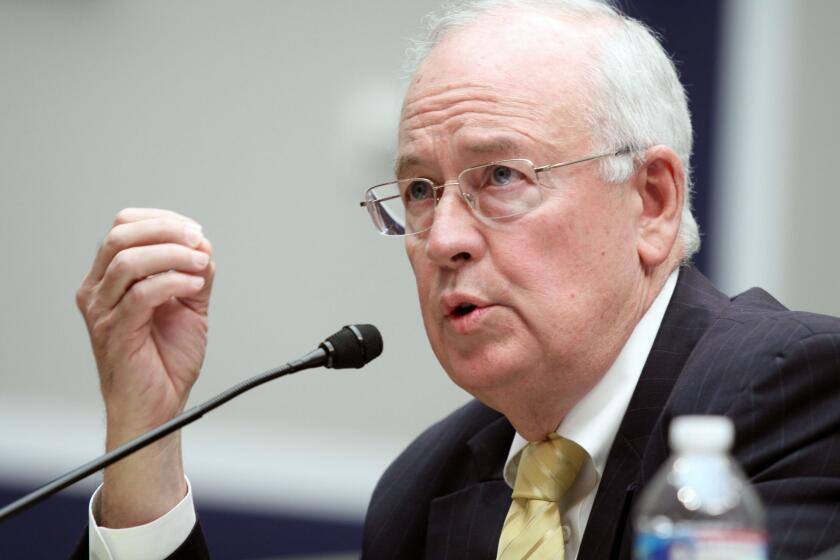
(660, 186)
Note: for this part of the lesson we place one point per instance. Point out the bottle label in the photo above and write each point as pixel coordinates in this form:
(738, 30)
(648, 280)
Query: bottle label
(702, 544)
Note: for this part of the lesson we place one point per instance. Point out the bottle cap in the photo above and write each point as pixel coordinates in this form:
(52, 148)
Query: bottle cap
(701, 434)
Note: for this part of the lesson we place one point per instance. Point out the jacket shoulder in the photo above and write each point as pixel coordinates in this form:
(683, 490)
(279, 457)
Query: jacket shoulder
(775, 373)
(755, 325)
(439, 461)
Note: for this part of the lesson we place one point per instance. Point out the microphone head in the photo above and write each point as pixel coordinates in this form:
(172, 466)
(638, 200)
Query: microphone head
(353, 346)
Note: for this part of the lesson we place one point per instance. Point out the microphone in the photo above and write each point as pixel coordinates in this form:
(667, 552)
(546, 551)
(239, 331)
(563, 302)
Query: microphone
(351, 347)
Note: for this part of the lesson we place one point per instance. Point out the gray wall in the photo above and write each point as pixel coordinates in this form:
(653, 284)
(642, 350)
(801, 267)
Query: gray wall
(265, 120)
(777, 197)
(814, 187)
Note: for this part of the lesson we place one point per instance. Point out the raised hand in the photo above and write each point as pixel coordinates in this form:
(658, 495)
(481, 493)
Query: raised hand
(145, 302)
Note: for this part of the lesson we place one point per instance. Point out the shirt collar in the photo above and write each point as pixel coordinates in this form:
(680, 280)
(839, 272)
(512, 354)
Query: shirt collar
(594, 421)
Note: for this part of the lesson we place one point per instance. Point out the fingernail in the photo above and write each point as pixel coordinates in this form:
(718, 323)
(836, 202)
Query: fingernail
(197, 281)
(200, 259)
(193, 234)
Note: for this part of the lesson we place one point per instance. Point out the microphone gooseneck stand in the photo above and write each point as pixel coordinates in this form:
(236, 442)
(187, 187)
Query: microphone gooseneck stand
(352, 346)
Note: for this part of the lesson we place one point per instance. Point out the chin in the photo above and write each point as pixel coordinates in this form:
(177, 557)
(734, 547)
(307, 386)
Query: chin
(484, 376)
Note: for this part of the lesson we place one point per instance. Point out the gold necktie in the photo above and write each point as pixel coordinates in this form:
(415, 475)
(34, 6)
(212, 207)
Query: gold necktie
(532, 527)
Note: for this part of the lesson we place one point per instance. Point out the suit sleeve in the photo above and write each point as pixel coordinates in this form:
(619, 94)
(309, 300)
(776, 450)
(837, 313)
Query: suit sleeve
(194, 548)
(175, 535)
(789, 430)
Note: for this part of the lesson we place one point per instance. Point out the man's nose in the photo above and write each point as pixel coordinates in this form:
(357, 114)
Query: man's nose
(455, 236)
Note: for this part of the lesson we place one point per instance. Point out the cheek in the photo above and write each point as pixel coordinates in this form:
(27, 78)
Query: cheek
(412, 251)
(415, 251)
(541, 248)
(562, 265)
(417, 259)
(589, 231)
(423, 271)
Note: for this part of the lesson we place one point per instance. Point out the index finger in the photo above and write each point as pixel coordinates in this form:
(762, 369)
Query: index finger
(128, 215)
(142, 226)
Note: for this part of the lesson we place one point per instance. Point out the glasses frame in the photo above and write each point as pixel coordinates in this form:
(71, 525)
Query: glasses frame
(468, 197)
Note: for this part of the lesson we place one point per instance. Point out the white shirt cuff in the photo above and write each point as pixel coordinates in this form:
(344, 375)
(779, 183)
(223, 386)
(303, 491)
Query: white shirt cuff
(153, 541)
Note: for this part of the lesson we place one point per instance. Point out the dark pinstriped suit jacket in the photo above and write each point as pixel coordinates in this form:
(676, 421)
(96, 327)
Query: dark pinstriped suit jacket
(774, 372)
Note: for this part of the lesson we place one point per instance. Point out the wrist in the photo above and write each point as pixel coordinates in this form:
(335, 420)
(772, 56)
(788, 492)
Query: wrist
(124, 423)
(143, 486)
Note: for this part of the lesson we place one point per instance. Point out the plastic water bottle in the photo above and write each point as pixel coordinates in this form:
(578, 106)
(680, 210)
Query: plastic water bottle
(700, 506)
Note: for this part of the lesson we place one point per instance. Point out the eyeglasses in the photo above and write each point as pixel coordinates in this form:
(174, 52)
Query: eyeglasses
(496, 190)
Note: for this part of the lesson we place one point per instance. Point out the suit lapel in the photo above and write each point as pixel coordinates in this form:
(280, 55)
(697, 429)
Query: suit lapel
(466, 523)
(692, 308)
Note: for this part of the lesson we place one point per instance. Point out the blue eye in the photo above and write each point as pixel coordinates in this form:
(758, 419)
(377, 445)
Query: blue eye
(418, 190)
(501, 175)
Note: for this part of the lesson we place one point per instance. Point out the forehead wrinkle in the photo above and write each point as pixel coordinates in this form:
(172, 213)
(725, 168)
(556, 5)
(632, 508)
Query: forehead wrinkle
(450, 102)
(436, 108)
(454, 111)
(493, 145)
(432, 93)
(470, 113)
(497, 145)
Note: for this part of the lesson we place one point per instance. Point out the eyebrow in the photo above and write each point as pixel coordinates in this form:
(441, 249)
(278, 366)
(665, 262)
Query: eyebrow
(490, 146)
(404, 161)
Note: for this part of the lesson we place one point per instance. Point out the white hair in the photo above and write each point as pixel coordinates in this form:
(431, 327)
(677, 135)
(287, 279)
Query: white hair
(638, 99)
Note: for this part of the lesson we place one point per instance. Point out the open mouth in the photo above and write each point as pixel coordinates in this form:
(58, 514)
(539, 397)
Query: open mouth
(463, 309)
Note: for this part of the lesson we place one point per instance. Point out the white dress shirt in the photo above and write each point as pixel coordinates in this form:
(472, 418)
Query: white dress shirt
(592, 424)
(594, 421)
(152, 541)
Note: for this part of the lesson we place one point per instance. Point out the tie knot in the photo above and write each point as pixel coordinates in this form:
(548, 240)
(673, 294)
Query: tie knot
(548, 468)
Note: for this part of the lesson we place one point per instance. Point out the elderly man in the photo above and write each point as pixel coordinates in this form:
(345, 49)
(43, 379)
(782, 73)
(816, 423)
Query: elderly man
(543, 191)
